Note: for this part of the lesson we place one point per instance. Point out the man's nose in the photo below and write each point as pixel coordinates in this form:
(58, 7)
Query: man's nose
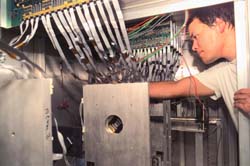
(194, 45)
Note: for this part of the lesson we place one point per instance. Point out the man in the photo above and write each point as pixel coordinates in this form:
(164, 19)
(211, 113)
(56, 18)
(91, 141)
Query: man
(213, 34)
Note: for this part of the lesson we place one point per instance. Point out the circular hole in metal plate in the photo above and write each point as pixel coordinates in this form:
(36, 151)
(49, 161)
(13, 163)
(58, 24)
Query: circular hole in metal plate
(113, 124)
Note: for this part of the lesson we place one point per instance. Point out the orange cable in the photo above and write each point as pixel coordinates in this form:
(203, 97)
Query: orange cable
(139, 24)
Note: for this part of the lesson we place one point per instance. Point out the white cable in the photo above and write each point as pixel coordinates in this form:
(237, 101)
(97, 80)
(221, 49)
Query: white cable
(27, 37)
(62, 143)
(87, 30)
(80, 37)
(78, 31)
(150, 65)
(137, 55)
(27, 23)
(14, 41)
(25, 41)
(17, 38)
(65, 35)
(122, 24)
(90, 35)
(122, 28)
(44, 21)
(105, 20)
(169, 60)
(174, 32)
(70, 23)
(114, 25)
(34, 29)
(99, 27)
(81, 118)
(171, 33)
(92, 28)
(69, 140)
(144, 64)
(48, 25)
(161, 65)
(140, 54)
(62, 30)
(155, 65)
(84, 22)
(34, 26)
(21, 27)
(186, 17)
(164, 63)
(78, 54)
(81, 111)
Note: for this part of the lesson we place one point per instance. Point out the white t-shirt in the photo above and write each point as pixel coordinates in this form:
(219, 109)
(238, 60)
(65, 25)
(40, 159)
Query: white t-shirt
(222, 79)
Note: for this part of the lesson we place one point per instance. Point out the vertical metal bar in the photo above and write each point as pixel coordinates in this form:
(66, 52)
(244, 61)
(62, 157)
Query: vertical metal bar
(167, 132)
(220, 143)
(180, 110)
(199, 149)
(242, 45)
(1, 10)
(233, 149)
(182, 149)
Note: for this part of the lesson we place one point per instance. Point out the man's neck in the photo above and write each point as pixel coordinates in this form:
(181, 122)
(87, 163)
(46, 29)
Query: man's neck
(229, 49)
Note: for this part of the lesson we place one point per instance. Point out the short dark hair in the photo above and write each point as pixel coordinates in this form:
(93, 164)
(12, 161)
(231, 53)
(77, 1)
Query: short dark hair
(207, 15)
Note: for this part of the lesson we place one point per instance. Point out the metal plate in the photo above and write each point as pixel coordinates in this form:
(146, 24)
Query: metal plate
(25, 120)
(145, 8)
(129, 102)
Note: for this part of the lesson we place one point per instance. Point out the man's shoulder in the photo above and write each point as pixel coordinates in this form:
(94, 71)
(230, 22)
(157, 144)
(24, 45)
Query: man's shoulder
(219, 68)
(220, 65)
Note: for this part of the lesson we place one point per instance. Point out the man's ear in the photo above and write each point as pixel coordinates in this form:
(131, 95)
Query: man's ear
(220, 25)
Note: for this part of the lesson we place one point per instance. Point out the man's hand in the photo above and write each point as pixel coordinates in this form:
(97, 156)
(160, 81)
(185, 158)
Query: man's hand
(242, 99)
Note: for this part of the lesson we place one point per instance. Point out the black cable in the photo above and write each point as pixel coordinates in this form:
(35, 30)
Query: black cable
(61, 72)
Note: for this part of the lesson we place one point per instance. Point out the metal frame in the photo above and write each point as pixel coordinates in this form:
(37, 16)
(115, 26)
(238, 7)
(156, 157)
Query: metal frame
(242, 45)
(167, 133)
(199, 149)
(154, 7)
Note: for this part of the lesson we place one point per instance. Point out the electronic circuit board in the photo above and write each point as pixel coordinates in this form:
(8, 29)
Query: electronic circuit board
(11, 15)
(14, 11)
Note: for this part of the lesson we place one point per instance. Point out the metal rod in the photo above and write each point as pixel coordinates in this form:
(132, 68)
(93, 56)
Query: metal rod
(183, 119)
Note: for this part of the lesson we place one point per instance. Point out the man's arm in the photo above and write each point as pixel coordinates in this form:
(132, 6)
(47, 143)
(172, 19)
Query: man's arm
(188, 86)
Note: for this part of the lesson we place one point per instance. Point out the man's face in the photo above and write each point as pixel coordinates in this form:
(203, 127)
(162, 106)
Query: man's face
(206, 41)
